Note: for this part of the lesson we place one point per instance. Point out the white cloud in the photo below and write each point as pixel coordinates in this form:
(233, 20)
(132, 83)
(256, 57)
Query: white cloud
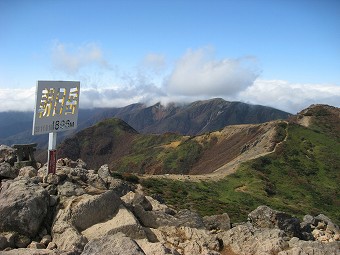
(198, 73)
(291, 97)
(280, 94)
(70, 61)
(17, 99)
(118, 97)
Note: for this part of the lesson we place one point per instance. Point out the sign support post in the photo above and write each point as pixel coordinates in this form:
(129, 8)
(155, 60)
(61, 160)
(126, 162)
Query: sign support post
(52, 153)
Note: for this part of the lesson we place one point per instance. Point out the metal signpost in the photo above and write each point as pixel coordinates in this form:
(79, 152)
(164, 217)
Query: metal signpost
(56, 109)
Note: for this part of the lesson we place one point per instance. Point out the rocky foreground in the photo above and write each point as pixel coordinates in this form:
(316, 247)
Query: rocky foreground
(81, 211)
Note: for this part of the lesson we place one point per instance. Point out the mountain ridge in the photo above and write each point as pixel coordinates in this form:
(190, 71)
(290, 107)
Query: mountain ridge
(188, 119)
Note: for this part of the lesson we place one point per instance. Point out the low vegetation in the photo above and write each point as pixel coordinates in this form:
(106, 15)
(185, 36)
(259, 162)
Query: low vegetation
(171, 153)
(301, 177)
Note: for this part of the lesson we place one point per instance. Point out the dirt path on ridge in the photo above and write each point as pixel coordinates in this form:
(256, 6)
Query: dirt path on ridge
(264, 146)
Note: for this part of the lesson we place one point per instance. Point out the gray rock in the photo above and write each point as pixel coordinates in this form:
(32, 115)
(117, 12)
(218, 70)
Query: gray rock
(265, 217)
(42, 172)
(188, 240)
(52, 246)
(119, 186)
(53, 179)
(297, 247)
(156, 248)
(36, 245)
(81, 164)
(54, 200)
(323, 218)
(69, 189)
(46, 240)
(23, 207)
(308, 219)
(8, 239)
(93, 209)
(116, 244)
(79, 213)
(67, 162)
(7, 154)
(3, 242)
(154, 219)
(319, 228)
(95, 181)
(217, 222)
(104, 172)
(65, 235)
(78, 174)
(246, 239)
(139, 199)
(123, 221)
(7, 171)
(28, 171)
(189, 218)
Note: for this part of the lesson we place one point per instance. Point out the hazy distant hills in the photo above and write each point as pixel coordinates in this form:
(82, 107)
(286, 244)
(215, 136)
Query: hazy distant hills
(187, 119)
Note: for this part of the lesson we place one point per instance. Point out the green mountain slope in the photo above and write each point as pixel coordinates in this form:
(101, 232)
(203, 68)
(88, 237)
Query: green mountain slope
(115, 143)
(301, 177)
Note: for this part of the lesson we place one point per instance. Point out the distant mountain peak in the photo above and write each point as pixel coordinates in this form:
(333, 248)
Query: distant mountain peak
(319, 110)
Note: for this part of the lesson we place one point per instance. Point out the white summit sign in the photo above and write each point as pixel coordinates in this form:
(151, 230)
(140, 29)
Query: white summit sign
(56, 109)
(56, 106)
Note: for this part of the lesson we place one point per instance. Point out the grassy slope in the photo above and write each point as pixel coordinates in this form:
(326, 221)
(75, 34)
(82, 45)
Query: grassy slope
(155, 153)
(301, 177)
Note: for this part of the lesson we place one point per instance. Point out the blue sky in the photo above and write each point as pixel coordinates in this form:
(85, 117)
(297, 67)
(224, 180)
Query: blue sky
(283, 53)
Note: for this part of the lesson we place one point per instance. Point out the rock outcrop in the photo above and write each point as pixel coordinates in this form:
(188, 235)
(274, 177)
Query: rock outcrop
(23, 207)
(82, 211)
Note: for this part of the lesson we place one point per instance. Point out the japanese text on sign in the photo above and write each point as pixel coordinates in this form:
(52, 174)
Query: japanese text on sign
(56, 107)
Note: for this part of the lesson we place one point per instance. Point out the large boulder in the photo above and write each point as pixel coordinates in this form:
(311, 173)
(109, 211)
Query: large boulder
(219, 222)
(246, 239)
(265, 217)
(79, 213)
(124, 221)
(116, 244)
(91, 210)
(23, 207)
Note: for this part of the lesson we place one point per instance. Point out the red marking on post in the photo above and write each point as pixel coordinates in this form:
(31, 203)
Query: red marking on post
(52, 163)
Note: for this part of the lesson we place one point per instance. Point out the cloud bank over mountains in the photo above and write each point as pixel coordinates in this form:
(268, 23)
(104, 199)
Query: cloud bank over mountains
(197, 75)
(69, 60)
